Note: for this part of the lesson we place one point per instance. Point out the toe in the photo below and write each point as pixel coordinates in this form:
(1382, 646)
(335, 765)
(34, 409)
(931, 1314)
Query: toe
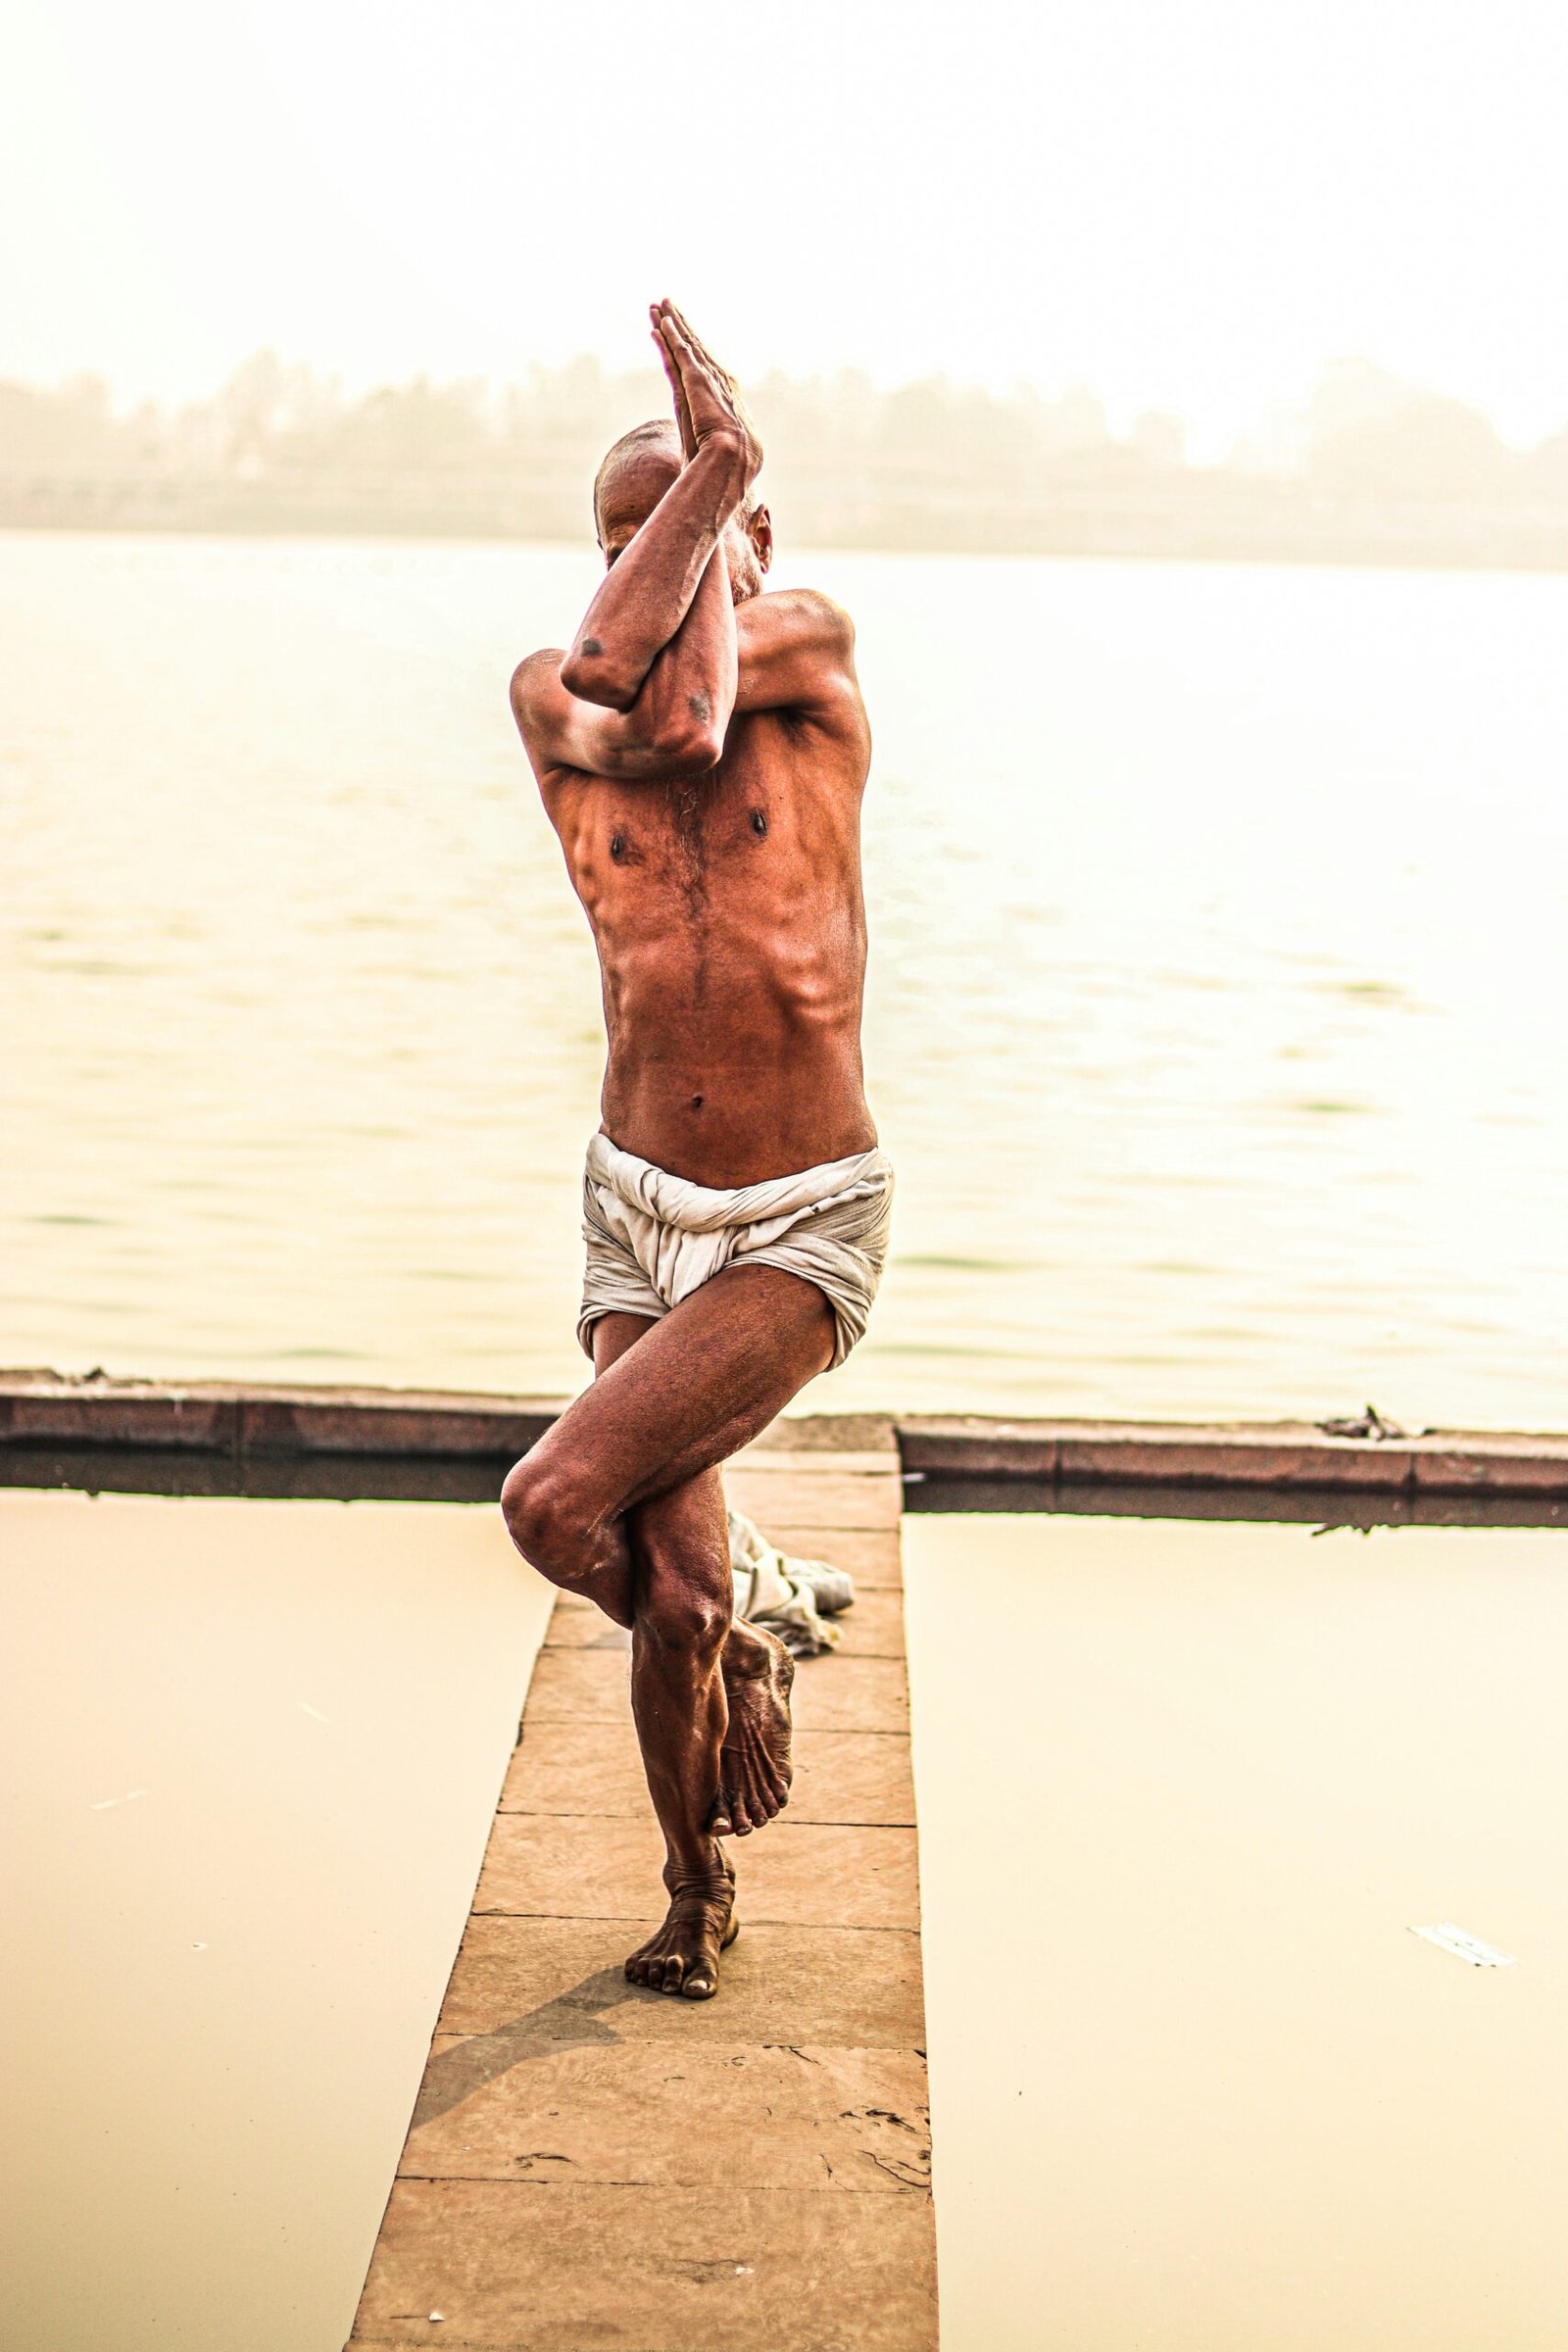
(698, 1986)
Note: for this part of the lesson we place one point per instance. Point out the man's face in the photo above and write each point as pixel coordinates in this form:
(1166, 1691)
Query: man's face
(633, 488)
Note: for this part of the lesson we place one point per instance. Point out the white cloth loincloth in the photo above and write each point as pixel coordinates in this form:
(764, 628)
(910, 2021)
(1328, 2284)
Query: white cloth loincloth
(653, 1238)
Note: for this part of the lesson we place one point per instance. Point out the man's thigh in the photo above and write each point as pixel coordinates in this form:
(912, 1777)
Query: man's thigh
(674, 1399)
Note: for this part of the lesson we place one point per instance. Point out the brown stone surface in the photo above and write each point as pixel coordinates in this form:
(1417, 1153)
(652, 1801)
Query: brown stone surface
(831, 1433)
(849, 1694)
(815, 1499)
(579, 1625)
(840, 1693)
(873, 1627)
(594, 1768)
(662, 2116)
(871, 1554)
(801, 1463)
(580, 1685)
(554, 1978)
(594, 2167)
(554, 2269)
(805, 1874)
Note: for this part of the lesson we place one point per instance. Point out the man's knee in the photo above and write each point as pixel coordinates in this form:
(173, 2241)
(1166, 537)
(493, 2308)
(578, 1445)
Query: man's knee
(548, 1519)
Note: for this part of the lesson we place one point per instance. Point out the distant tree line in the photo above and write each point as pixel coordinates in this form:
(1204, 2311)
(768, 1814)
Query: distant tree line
(1371, 465)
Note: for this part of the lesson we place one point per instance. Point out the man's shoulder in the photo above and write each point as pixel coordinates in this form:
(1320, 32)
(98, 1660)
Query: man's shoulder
(797, 661)
(805, 610)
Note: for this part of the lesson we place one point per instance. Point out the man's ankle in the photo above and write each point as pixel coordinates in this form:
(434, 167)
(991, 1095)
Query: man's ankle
(746, 1653)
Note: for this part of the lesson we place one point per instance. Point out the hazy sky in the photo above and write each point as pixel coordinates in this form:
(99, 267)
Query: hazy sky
(1189, 205)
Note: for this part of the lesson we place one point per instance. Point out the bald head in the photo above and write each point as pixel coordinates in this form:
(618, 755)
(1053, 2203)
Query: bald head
(647, 459)
(633, 476)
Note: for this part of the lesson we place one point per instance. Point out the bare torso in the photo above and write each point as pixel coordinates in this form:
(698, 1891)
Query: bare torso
(728, 915)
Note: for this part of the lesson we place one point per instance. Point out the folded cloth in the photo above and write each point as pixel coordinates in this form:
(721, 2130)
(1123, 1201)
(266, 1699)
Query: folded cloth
(653, 1238)
(788, 1597)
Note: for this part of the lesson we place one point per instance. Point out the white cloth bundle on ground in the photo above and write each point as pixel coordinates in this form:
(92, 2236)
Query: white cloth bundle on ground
(788, 1597)
(653, 1238)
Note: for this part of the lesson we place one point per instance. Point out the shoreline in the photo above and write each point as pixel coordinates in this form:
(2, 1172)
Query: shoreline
(1418, 540)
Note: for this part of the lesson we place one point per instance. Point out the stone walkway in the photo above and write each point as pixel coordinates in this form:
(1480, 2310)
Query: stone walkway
(592, 2167)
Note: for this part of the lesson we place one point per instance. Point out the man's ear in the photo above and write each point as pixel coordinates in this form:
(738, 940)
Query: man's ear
(760, 531)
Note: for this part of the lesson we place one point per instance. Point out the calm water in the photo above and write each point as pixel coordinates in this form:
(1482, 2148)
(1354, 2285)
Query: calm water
(251, 1753)
(1197, 1796)
(1194, 2084)
(1217, 1001)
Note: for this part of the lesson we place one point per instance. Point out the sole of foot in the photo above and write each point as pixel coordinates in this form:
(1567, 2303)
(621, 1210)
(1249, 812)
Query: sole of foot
(754, 1768)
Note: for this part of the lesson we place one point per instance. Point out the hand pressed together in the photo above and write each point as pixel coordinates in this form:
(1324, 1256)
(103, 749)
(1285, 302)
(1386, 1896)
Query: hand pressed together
(708, 407)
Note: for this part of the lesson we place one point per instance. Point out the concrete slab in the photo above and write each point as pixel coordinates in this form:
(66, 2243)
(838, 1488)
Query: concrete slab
(840, 1693)
(658, 2114)
(849, 1694)
(816, 1498)
(871, 1554)
(807, 1874)
(545, 1979)
(595, 1767)
(639, 2269)
(874, 1627)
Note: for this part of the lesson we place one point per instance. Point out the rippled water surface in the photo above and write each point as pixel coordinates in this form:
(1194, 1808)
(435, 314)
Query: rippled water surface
(1215, 1013)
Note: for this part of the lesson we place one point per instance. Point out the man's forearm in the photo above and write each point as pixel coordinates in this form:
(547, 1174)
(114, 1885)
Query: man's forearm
(686, 701)
(648, 592)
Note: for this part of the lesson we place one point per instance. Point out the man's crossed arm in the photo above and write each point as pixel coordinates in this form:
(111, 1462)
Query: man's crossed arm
(663, 659)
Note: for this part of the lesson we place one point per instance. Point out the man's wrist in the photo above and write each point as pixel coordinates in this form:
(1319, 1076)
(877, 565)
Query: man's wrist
(727, 451)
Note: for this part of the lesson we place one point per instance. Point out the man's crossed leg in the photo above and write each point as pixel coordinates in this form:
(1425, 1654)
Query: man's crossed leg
(622, 1501)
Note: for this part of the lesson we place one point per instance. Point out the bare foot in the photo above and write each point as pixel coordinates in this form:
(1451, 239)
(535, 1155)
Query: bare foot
(701, 1923)
(754, 1768)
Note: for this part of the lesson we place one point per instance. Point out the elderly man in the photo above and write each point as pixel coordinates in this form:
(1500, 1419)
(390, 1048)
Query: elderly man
(702, 751)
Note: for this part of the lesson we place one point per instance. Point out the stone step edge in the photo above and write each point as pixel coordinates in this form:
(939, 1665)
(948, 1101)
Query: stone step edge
(240, 1419)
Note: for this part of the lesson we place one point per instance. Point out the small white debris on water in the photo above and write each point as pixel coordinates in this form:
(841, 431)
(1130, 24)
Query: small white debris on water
(198, 1947)
(316, 1715)
(104, 1802)
(1464, 1946)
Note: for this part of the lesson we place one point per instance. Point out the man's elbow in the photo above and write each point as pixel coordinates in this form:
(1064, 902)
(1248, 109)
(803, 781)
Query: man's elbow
(686, 747)
(592, 675)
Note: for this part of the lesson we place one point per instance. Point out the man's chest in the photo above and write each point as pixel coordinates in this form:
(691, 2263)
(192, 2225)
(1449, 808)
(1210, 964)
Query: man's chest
(745, 835)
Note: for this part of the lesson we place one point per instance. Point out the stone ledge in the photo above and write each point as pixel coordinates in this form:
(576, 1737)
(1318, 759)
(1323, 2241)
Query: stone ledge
(243, 1418)
(240, 1422)
(1257, 1454)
